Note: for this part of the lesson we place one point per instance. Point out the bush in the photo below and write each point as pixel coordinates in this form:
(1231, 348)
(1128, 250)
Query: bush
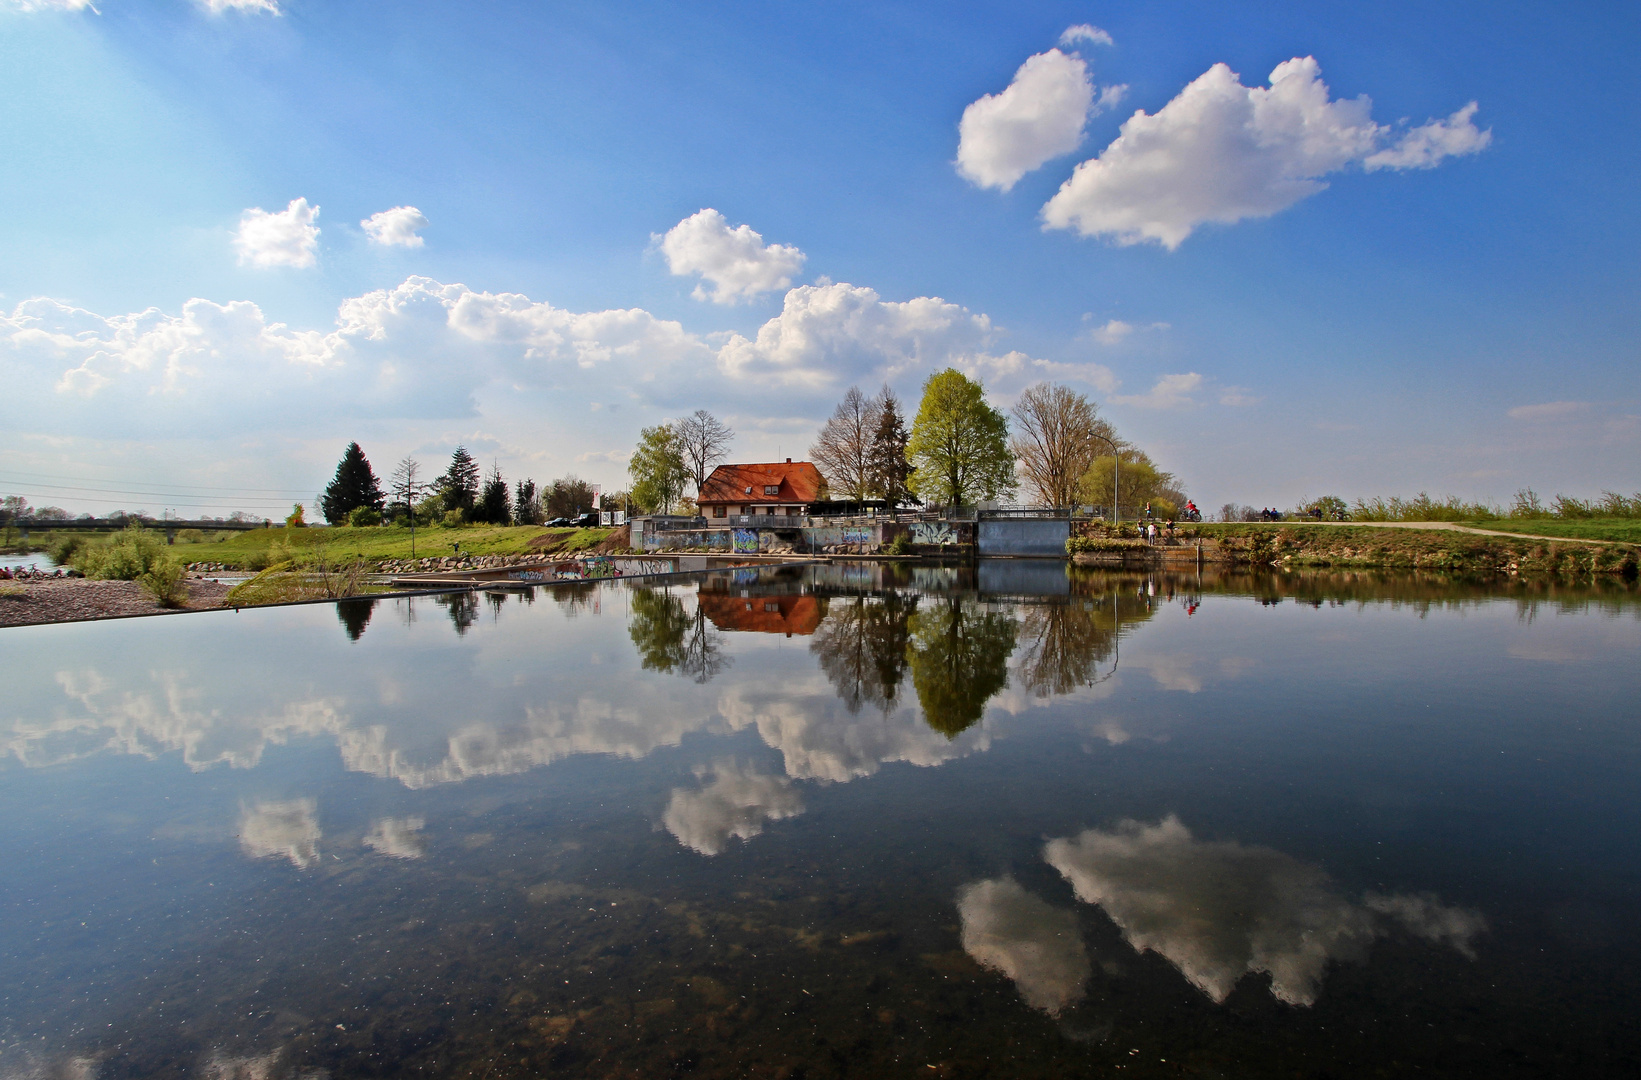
(166, 581)
(190, 536)
(125, 556)
(453, 518)
(900, 545)
(65, 548)
(362, 516)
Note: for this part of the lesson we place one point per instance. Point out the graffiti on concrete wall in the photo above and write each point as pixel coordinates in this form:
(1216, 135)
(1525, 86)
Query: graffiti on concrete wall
(640, 567)
(933, 532)
(745, 541)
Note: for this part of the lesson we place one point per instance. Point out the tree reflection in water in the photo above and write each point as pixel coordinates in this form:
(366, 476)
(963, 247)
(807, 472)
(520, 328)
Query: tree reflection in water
(1069, 643)
(355, 616)
(861, 645)
(670, 639)
(463, 608)
(959, 653)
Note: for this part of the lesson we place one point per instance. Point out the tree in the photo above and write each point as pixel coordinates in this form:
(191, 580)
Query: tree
(890, 471)
(657, 469)
(526, 504)
(843, 449)
(670, 639)
(861, 646)
(1140, 482)
(354, 485)
(494, 507)
(568, 497)
(459, 486)
(703, 443)
(1057, 436)
(959, 444)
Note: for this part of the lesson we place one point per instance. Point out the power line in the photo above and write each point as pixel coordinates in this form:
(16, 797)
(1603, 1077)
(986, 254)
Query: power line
(136, 493)
(33, 478)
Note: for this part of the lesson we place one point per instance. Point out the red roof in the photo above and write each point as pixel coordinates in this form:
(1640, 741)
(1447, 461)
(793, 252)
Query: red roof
(793, 481)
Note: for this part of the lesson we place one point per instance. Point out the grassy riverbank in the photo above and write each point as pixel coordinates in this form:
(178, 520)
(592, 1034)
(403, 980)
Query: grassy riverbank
(260, 548)
(1623, 530)
(1363, 546)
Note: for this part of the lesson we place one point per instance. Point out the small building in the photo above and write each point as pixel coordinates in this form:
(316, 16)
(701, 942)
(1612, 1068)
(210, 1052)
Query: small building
(763, 491)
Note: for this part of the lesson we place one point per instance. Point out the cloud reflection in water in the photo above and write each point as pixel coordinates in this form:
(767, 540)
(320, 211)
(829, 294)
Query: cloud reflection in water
(1219, 910)
(1039, 946)
(286, 830)
(736, 803)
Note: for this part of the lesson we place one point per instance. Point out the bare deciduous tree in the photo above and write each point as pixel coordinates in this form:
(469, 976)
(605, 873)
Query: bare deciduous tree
(704, 441)
(843, 449)
(1057, 436)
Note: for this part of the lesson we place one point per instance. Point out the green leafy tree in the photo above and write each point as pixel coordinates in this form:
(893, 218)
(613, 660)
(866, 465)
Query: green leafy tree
(658, 471)
(568, 496)
(959, 654)
(1140, 483)
(459, 486)
(670, 639)
(495, 506)
(959, 445)
(354, 485)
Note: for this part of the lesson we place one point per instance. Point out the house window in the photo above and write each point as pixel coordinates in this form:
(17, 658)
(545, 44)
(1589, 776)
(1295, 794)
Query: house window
(791, 511)
(720, 511)
(772, 489)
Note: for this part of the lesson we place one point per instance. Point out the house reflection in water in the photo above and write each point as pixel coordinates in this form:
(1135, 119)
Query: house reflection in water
(781, 614)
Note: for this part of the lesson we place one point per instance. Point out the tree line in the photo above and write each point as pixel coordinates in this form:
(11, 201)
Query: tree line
(460, 495)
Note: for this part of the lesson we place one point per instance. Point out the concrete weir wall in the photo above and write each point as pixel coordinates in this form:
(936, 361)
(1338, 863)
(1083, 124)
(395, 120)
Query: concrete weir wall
(1025, 536)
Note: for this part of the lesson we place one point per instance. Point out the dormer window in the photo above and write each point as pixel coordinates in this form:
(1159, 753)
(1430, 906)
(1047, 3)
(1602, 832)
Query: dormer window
(772, 489)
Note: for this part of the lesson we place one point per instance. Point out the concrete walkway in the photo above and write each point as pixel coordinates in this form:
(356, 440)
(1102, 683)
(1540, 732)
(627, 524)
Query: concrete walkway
(1449, 526)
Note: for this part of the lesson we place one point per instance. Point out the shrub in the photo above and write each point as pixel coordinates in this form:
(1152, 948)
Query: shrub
(125, 556)
(453, 518)
(190, 536)
(362, 516)
(900, 545)
(166, 581)
(65, 548)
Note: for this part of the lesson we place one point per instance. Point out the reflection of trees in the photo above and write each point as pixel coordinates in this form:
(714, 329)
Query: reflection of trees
(671, 639)
(463, 608)
(959, 655)
(862, 647)
(1067, 644)
(355, 616)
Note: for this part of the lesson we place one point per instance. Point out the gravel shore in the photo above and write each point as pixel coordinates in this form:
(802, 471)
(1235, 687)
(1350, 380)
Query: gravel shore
(73, 599)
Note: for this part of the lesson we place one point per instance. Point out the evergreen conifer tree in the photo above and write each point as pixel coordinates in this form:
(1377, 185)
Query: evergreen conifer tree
(495, 507)
(459, 486)
(354, 485)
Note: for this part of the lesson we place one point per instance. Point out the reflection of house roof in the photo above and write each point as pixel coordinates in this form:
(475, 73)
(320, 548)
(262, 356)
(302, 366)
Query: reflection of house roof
(762, 614)
(798, 481)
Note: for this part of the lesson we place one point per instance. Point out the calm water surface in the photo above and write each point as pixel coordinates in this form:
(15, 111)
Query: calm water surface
(945, 822)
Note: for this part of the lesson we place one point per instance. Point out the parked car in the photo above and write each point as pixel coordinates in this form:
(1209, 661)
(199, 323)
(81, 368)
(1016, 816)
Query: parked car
(590, 518)
(558, 523)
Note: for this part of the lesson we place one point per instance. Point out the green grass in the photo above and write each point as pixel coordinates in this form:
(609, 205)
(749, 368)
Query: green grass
(262, 547)
(1625, 530)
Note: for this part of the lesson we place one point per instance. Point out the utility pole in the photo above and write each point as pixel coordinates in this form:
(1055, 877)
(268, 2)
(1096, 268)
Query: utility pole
(1116, 461)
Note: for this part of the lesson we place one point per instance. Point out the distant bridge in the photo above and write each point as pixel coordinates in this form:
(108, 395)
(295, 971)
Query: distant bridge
(170, 526)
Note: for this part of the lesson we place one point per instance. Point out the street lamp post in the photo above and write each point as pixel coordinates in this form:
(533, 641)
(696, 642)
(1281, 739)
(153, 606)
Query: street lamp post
(1116, 461)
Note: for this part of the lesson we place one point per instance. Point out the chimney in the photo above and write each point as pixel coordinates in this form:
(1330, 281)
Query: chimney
(789, 461)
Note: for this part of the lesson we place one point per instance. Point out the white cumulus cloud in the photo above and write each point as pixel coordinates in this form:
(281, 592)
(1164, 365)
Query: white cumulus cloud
(48, 5)
(1426, 145)
(1039, 946)
(396, 227)
(828, 334)
(735, 262)
(736, 803)
(1037, 117)
(217, 7)
(1170, 392)
(1222, 152)
(1219, 910)
(1085, 32)
(284, 238)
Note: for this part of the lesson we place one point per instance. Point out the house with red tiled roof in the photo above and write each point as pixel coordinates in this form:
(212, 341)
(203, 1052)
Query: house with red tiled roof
(762, 614)
(766, 491)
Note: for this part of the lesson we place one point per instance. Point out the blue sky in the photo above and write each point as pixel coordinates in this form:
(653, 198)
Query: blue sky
(1456, 320)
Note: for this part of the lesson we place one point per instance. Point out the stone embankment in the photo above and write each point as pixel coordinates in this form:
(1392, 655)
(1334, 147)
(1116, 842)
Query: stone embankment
(450, 563)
